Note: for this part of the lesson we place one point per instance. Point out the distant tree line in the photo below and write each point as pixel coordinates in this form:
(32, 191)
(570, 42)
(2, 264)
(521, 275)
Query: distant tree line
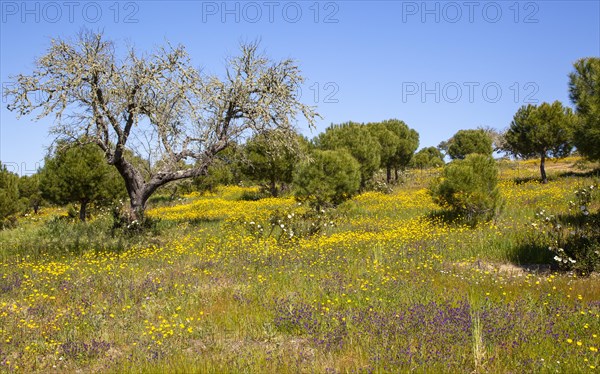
(332, 167)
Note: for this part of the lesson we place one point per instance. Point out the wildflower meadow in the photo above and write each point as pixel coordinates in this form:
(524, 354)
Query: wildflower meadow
(382, 283)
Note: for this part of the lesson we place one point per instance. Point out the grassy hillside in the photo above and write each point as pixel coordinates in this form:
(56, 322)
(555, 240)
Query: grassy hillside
(229, 285)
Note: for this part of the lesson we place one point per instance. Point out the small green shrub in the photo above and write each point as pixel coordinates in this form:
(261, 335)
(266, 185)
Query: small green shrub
(574, 239)
(379, 183)
(255, 195)
(122, 225)
(330, 178)
(468, 189)
(223, 171)
(63, 235)
(380, 186)
(288, 226)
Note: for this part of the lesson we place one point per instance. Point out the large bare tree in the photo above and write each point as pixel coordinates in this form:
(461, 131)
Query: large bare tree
(157, 105)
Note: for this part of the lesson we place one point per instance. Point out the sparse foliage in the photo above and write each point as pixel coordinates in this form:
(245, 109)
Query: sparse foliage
(443, 147)
(288, 226)
(497, 138)
(157, 105)
(574, 239)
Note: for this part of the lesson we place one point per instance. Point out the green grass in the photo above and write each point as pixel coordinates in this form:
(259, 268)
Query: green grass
(385, 289)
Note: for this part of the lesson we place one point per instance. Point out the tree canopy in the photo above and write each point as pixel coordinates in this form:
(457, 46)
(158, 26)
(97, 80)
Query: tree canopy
(78, 174)
(389, 142)
(427, 158)
(584, 91)
(358, 141)
(268, 158)
(398, 144)
(30, 193)
(9, 194)
(465, 142)
(540, 131)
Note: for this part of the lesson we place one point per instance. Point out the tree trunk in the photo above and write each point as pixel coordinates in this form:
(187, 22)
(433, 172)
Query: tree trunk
(82, 210)
(137, 189)
(396, 175)
(543, 169)
(389, 174)
(137, 202)
(273, 186)
(137, 208)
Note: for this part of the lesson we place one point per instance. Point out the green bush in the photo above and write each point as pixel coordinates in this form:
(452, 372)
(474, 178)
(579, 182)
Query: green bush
(328, 179)
(253, 195)
(30, 193)
(468, 189)
(223, 171)
(60, 236)
(358, 141)
(122, 225)
(287, 227)
(429, 157)
(268, 158)
(574, 239)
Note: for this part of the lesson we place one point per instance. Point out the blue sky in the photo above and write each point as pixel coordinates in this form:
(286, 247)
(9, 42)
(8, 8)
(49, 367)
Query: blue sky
(440, 66)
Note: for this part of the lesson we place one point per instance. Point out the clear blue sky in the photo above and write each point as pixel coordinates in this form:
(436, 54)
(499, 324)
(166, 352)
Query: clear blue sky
(440, 66)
